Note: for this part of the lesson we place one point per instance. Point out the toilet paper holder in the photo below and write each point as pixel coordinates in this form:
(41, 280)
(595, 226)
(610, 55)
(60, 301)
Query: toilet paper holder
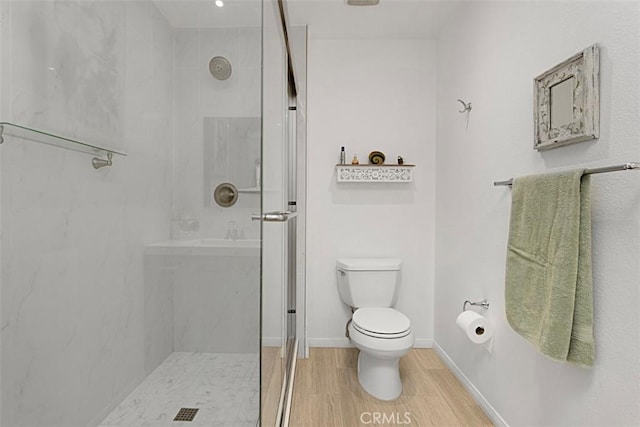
(484, 304)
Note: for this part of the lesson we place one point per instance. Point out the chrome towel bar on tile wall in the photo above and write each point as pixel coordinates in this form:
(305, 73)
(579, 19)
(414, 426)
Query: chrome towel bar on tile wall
(623, 167)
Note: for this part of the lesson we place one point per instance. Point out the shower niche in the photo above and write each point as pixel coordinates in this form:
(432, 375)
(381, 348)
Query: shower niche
(231, 153)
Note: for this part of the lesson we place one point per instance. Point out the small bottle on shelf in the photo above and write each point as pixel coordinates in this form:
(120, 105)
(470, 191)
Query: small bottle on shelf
(355, 161)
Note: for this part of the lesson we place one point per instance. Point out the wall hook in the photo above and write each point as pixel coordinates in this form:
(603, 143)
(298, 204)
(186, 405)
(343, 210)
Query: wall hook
(467, 107)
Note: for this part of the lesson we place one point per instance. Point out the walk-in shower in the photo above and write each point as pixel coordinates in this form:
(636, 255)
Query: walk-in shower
(130, 296)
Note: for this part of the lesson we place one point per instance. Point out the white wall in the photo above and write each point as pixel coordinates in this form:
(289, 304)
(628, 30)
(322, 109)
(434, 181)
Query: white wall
(73, 303)
(490, 58)
(369, 95)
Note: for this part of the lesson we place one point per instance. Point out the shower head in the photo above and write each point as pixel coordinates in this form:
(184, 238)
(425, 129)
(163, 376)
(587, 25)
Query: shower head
(220, 68)
(362, 2)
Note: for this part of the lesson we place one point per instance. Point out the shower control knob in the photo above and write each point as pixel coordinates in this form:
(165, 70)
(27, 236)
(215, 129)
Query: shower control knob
(225, 195)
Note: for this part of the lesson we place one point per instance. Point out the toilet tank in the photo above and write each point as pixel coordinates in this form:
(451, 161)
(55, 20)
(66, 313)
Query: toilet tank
(368, 282)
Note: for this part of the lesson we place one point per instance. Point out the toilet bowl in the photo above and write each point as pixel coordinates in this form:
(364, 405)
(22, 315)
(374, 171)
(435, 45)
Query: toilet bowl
(381, 333)
(380, 349)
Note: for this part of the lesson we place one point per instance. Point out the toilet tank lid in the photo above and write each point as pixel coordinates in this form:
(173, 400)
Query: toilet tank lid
(369, 264)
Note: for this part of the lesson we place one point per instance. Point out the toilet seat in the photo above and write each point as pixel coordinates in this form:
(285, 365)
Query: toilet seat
(381, 322)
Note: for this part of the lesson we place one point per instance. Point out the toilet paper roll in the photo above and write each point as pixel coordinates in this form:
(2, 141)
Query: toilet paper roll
(476, 327)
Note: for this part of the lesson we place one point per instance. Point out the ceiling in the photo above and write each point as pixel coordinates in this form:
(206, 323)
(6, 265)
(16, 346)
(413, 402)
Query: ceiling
(204, 13)
(396, 19)
(399, 19)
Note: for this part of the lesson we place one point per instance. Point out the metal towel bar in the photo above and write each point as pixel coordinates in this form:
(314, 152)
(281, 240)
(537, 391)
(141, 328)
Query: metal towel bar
(623, 167)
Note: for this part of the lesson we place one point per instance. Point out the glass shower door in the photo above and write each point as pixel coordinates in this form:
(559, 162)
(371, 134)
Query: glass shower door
(276, 220)
(130, 293)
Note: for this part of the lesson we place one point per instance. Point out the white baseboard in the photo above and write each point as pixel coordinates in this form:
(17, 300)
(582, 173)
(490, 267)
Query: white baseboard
(345, 342)
(329, 342)
(272, 342)
(484, 403)
(423, 343)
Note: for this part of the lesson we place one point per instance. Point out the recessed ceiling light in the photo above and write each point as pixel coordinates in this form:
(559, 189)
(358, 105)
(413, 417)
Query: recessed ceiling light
(219, 3)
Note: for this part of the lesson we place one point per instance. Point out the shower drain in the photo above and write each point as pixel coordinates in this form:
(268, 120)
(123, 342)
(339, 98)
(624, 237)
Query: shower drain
(186, 414)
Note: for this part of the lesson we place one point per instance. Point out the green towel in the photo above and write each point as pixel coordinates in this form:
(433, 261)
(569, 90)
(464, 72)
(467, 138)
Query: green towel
(549, 287)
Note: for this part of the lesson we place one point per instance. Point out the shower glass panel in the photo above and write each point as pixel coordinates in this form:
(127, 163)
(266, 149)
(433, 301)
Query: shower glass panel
(128, 293)
(274, 260)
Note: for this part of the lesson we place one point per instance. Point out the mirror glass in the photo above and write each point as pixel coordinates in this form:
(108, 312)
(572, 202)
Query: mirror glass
(562, 103)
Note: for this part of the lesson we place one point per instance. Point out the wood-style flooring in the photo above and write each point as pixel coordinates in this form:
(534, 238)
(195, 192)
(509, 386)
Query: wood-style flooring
(272, 372)
(327, 394)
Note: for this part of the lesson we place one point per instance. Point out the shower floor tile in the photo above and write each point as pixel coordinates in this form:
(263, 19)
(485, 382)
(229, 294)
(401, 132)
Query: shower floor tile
(225, 388)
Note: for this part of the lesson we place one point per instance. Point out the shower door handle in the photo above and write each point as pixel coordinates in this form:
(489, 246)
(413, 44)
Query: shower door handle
(275, 216)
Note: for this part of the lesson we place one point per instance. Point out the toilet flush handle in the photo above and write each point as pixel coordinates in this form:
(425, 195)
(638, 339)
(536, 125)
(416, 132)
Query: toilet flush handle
(342, 273)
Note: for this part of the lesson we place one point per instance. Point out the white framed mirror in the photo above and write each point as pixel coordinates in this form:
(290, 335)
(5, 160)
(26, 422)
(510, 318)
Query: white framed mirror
(567, 101)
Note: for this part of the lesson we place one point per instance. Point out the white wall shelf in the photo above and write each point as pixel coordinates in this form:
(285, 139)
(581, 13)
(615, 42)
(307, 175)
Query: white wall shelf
(374, 173)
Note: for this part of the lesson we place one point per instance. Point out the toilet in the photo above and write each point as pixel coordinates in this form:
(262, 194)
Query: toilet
(381, 333)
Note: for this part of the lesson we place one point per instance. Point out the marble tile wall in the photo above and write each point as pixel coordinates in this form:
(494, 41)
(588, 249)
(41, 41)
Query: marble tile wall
(231, 153)
(72, 291)
(200, 99)
(158, 310)
(215, 300)
(216, 304)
